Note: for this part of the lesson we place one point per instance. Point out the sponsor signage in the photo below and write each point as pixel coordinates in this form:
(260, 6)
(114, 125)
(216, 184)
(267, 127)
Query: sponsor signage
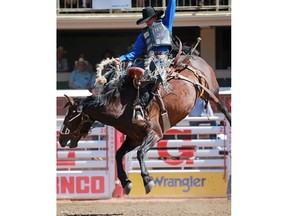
(82, 184)
(187, 184)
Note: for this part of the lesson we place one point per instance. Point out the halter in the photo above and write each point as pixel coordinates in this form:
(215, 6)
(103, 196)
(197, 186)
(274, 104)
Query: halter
(84, 119)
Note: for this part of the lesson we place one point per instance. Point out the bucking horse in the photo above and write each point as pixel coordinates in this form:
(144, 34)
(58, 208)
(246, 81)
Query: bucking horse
(188, 78)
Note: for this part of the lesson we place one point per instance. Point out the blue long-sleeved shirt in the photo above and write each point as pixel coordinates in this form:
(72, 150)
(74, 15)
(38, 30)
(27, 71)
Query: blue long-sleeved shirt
(140, 44)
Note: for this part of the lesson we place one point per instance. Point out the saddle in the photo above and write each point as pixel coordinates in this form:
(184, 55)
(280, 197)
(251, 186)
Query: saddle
(137, 73)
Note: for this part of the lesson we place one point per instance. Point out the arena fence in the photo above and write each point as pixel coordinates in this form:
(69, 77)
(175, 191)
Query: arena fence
(87, 171)
(190, 161)
(116, 7)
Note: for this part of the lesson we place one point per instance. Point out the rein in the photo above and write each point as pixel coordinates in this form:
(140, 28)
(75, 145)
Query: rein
(84, 119)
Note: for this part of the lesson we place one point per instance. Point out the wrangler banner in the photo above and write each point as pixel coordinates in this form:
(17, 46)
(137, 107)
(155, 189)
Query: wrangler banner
(182, 184)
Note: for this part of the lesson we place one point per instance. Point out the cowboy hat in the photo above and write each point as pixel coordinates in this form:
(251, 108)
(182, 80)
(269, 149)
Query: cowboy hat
(81, 60)
(148, 13)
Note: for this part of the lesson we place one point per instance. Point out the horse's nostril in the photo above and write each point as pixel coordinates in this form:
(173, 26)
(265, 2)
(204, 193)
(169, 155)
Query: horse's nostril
(61, 142)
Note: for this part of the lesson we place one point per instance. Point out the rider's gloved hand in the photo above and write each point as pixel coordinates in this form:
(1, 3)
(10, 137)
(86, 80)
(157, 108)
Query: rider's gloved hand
(117, 61)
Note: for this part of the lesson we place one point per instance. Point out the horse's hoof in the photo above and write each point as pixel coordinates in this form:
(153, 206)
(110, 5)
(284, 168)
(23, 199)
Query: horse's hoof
(128, 188)
(149, 186)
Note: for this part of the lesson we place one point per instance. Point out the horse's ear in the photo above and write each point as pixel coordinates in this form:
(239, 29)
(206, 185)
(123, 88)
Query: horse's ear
(66, 105)
(70, 100)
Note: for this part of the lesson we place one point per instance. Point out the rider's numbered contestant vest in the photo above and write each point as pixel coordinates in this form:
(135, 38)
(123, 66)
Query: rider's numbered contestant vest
(157, 35)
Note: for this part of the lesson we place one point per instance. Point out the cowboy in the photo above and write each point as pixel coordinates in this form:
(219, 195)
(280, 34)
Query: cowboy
(155, 39)
(80, 77)
(62, 63)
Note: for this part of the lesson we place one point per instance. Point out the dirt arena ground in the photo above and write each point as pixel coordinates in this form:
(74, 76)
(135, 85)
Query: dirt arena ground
(145, 207)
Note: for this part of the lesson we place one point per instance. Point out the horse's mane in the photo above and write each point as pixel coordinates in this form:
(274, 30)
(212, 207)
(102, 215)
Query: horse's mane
(110, 91)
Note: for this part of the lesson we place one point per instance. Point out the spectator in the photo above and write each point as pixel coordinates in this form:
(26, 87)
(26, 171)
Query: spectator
(107, 54)
(155, 38)
(201, 3)
(73, 4)
(143, 3)
(80, 77)
(200, 111)
(89, 67)
(62, 63)
(87, 4)
(139, 3)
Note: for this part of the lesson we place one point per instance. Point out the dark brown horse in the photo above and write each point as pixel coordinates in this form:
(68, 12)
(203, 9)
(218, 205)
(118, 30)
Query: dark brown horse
(188, 79)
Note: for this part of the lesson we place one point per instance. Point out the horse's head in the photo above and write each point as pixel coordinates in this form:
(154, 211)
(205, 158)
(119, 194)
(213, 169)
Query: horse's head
(76, 124)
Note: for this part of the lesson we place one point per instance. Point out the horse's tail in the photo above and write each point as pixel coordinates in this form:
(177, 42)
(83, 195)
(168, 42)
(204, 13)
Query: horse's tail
(223, 108)
(218, 102)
